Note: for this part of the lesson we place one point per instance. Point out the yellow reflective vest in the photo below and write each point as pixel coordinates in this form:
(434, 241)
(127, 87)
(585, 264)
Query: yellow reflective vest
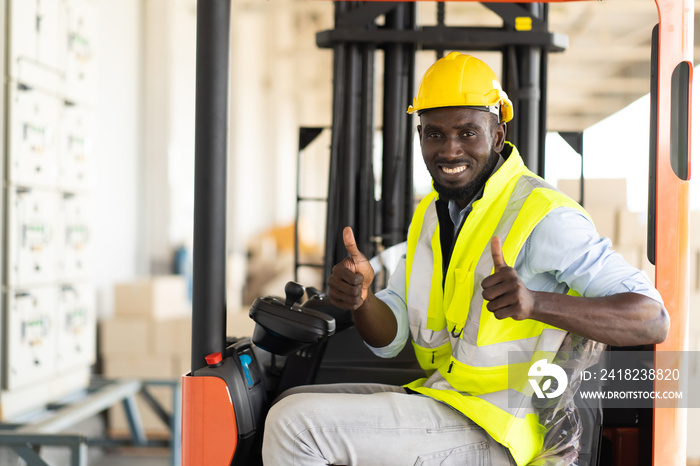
(484, 360)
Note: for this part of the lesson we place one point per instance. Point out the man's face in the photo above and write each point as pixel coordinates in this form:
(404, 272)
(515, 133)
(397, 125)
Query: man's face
(460, 147)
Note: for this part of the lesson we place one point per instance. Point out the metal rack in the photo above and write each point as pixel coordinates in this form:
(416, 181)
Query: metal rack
(43, 428)
(306, 136)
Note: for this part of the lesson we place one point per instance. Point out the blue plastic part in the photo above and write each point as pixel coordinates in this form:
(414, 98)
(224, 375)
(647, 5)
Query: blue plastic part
(246, 360)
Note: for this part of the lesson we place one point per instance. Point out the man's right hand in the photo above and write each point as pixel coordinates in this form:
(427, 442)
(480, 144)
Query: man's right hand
(350, 279)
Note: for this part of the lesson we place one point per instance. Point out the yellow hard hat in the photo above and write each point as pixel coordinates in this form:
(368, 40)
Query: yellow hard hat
(460, 80)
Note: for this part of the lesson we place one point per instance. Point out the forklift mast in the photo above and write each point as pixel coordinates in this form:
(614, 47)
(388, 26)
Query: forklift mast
(524, 47)
(211, 153)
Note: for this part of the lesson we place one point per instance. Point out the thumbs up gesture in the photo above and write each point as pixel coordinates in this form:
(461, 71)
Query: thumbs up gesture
(350, 279)
(505, 292)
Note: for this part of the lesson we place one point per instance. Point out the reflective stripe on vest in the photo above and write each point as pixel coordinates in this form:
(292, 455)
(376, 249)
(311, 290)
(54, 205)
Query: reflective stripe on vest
(460, 338)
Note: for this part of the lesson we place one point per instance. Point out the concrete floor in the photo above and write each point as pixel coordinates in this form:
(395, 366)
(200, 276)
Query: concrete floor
(96, 457)
(126, 458)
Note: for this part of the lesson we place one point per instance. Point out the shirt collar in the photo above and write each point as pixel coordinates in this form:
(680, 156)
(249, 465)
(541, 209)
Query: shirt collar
(457, 215)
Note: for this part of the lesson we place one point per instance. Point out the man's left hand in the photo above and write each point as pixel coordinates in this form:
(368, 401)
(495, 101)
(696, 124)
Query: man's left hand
(506, 294)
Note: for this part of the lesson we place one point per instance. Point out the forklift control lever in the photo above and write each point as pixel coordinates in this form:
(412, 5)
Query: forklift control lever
(293, 293)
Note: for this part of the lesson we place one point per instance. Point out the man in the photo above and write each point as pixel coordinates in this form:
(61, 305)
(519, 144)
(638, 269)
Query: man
(498, 262)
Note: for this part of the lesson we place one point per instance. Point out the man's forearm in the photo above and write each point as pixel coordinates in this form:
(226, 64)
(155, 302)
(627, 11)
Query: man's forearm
(375, 322)
(626, 319)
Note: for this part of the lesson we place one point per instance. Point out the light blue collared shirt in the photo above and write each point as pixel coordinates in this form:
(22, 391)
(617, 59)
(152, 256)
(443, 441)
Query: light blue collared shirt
(458, 215)
(563, 252)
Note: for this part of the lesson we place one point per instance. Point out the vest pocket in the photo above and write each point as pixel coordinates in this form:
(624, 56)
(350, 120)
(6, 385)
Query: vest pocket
(458, 308)
(475, 380)
(432, 358)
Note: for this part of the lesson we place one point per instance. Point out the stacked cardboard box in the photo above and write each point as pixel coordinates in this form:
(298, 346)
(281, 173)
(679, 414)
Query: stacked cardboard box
(603, 199)
(606, 201)
(694, 276)
(271, 261)
(693, 450)
(149, 337)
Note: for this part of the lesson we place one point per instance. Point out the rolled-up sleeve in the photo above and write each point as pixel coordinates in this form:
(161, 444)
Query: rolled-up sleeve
(394, 297)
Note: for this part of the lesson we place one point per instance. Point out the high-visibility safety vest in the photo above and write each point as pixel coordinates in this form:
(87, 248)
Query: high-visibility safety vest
(484, 360)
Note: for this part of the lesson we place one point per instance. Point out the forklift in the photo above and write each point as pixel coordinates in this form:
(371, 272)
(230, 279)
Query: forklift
(227, 392)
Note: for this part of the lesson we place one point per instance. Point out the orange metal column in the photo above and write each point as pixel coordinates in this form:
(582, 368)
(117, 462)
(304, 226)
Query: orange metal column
(675, 46)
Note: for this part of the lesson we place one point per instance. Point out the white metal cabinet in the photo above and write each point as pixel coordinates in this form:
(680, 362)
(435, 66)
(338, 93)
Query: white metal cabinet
(47, 336)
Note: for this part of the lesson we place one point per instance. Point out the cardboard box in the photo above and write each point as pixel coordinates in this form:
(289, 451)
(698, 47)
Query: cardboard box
(173, 337)
(162, 297)
(648, 268)
(693, 448)
(598, 192)
(631, 254)
(239, 323)
(605, 220)
(236, 272)
(140, 367)
(183, 365)
(694, 324)
(694, 270)
(694, 229)
(123, 336)
(694, 304)
(631, 228)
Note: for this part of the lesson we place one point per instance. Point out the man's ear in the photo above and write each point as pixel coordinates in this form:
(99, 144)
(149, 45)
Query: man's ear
(499, 137)
(420, 133)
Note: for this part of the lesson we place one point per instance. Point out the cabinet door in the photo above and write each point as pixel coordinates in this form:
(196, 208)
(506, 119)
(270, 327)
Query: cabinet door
(31, 336)
(74, 238)
(31, 237)
(34, 127)
(76, 325)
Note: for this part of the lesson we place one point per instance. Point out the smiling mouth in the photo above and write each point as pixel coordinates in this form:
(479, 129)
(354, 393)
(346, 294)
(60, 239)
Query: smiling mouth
(453, 170)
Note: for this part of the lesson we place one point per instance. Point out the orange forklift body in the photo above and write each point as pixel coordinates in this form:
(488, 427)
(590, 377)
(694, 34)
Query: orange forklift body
(209, 433)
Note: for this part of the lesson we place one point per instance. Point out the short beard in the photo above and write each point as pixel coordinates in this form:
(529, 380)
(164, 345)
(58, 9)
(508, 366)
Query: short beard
(468, 191)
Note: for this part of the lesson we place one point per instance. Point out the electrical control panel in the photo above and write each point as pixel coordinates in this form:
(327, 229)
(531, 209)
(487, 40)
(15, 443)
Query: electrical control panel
(80, 68)
(31, 232)
(75, 144)
(34, 119)
(31, 336)
(75, 325)
(37, 53)
(47, 339)
(74, 237)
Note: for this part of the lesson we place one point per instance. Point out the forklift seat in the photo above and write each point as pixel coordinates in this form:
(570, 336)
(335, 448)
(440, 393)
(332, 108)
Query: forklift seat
(591, 413)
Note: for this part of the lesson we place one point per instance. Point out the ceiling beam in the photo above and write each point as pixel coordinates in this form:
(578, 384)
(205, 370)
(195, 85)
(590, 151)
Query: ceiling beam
(600, 85)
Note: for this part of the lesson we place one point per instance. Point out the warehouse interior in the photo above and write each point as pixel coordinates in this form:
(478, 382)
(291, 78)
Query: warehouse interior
(98, 196)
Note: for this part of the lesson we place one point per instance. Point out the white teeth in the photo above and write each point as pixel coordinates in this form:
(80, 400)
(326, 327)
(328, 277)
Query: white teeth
(454, 170)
